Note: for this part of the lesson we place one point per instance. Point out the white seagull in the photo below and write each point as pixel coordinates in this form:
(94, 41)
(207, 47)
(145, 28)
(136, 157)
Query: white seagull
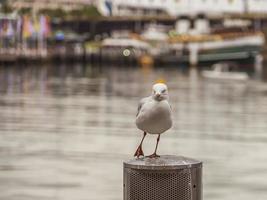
(154, 115)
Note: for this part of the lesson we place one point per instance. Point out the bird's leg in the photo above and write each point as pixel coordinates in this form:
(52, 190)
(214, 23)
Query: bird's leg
(139, 151)
(155, 155)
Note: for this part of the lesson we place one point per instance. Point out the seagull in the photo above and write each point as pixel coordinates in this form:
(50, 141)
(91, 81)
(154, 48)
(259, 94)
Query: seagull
(154, 116)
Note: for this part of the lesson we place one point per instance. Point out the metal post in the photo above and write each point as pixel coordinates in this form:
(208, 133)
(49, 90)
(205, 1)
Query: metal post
(193, 54)
(258, 66)
(163, 178)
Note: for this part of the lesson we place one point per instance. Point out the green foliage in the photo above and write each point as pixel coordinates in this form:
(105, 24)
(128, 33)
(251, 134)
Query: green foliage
(85, 12)
(24, 11)
(5, 8)
(88, 11)
(53, 12)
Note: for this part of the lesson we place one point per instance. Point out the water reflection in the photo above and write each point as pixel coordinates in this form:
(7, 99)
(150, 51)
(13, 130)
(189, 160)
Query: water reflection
(64, 130)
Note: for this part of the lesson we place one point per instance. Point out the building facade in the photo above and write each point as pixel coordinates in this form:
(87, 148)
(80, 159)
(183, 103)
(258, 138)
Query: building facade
(50, 4)
(256, 6)
(150, 7)
(180, 7)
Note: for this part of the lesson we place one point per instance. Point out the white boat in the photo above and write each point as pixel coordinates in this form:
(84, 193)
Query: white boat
(218, 47)
(156, 35)
(225, 72)
(124, 47)
(154, 32)
(124, 43)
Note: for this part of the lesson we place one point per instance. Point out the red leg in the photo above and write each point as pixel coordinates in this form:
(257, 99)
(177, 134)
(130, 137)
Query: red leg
(139, 151)
(155, 155)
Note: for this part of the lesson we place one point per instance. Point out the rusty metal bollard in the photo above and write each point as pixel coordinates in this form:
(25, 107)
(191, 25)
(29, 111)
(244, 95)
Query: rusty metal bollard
(164, 178)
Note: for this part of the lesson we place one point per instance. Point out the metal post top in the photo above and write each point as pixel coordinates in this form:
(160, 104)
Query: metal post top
(164, 162)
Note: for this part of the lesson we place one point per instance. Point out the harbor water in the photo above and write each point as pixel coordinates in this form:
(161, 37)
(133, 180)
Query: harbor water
(66, 129)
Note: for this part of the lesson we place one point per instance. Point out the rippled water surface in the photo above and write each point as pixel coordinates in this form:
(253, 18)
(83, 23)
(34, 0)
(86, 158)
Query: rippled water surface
(65, 131)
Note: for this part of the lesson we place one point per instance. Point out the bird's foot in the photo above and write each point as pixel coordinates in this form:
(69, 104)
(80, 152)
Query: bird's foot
(154, 155)
(139, 152)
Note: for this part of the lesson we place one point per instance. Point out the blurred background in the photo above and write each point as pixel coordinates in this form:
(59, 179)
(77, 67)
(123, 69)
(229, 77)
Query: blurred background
(73, 71)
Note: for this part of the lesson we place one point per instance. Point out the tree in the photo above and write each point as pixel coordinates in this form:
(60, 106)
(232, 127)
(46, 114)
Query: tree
(53, 12)
(88, 11)
(5, 8)
(24, 11)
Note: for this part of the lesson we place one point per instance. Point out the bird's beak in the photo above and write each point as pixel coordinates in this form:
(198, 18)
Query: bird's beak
(157, 95)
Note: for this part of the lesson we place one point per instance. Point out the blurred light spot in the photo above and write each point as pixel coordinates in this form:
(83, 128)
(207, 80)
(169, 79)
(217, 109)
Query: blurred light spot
(126, 52)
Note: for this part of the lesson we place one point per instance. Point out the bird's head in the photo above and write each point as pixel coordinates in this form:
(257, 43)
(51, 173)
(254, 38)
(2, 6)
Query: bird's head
(160, 92)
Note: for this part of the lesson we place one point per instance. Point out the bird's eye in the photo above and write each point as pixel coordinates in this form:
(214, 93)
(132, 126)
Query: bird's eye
(154, 91)
(163, 91)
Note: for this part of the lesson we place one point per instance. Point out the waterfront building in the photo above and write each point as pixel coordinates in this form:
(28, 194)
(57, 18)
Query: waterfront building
(180, 7)
(50, 4)
(256, 6)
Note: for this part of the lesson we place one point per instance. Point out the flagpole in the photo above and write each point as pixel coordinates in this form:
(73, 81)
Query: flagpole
(24, 42)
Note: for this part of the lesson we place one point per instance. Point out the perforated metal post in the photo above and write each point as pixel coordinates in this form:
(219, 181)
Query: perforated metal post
(164, 178)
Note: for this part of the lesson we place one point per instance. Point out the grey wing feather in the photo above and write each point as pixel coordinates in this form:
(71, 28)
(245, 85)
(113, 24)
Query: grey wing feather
(140, 104)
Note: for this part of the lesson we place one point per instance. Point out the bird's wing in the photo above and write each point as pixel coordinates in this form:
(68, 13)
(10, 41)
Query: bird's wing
(141, 103)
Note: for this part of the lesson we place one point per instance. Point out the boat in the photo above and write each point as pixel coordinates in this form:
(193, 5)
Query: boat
(225, 71)
(213, 48)
(157, 36)
(235, 43)
(155, 32)
(123, 47)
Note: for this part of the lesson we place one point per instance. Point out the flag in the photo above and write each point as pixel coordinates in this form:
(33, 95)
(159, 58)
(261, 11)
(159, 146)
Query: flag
(36, 26)
(18, 28)
(10, 29)
(28, 29)
(45, 28)
(4, 27)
